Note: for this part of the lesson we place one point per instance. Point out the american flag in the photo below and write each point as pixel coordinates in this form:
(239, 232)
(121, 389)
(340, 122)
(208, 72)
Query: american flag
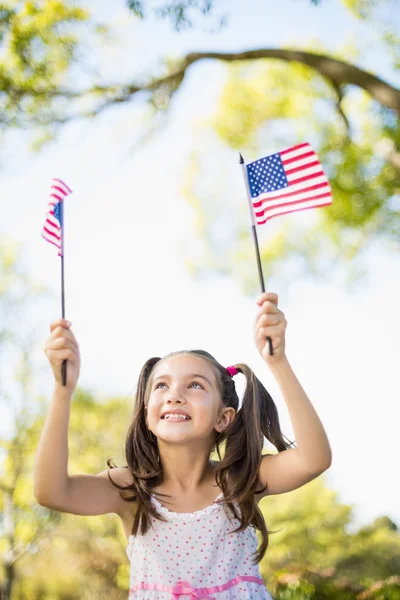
(286, 182)
(53, 226)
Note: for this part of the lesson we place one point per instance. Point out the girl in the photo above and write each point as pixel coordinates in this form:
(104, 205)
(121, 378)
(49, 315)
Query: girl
(190, 521)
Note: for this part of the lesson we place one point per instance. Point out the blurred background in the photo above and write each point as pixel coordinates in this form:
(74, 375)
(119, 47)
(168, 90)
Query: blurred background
(142, 108)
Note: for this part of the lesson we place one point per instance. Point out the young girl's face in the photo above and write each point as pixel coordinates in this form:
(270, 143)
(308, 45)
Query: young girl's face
(184, 402)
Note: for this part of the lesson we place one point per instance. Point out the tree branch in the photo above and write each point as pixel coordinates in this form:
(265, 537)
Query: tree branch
(338, 73)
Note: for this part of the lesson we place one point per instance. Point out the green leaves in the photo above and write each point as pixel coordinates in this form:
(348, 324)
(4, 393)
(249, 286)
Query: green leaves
(267, 105)
(313, 555)
(38, 46)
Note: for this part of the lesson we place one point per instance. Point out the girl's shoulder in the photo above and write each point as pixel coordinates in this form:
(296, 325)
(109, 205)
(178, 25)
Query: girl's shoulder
(122, 476)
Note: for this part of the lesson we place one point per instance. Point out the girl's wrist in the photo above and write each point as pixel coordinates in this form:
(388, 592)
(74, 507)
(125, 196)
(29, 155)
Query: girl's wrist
(62, 392)
(278, 365)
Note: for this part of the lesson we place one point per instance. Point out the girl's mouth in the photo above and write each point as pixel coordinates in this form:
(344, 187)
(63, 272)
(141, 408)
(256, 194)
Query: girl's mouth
(178, 418)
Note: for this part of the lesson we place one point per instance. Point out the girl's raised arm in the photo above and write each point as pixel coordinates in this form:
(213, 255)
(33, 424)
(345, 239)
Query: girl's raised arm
(53, 486)
(294, 467)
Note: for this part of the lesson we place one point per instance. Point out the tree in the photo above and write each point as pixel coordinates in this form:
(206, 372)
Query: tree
(311, 553)
(351, 114)
(33, 539)
(91, 550)
(17, 342)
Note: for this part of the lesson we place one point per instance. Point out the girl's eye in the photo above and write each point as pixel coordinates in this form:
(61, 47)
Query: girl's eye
(158, 385)
(197, 384)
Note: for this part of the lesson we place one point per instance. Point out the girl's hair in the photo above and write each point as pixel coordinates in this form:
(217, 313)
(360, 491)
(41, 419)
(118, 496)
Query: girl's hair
(237, 471)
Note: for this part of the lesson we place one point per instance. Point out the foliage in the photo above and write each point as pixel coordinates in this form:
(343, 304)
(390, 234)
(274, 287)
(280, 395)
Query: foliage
(358, 143)
(38, 44)
(182, 13)
(179, 12)
(313, 555)
(51, 555)
(90, 549)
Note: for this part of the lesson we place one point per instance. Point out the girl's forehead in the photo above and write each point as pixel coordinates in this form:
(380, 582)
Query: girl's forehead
(181, 365)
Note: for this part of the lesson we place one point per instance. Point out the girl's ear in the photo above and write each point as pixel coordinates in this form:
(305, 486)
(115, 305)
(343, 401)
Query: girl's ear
(225, 419)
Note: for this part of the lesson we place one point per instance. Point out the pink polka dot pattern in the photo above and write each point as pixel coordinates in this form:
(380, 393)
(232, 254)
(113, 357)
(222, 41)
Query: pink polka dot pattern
(198, 548)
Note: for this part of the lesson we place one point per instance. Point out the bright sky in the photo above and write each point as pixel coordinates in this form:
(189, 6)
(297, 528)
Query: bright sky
(127, 291)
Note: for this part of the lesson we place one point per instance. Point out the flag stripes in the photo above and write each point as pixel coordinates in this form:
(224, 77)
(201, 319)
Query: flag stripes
(289, 181)
(52, 228)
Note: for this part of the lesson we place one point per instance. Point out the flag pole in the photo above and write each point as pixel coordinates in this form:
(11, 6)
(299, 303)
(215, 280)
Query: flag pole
(254, 230)
(64, 364)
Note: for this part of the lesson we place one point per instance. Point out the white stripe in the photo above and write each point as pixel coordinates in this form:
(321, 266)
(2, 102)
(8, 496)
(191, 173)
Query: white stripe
(51, 239)
(298, 152)
(283, 209)
(62, 186)
(300, 163)
(310, 171)
(293, 188)
(52, 224)
(287, 201)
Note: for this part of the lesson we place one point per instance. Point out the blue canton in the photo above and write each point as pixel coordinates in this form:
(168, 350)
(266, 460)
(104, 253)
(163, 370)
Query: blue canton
(57, 212)
(266, 175)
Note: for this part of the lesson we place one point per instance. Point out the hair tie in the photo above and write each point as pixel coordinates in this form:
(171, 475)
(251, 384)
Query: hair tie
(232, 370)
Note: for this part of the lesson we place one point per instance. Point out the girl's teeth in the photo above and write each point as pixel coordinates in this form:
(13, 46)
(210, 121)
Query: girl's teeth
(175, 417)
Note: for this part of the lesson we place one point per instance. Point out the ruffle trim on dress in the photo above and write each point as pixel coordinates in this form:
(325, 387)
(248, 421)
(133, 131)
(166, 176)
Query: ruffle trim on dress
(187, 517)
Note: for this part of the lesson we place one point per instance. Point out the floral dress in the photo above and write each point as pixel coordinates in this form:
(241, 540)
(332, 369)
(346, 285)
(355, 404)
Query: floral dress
(195, 556)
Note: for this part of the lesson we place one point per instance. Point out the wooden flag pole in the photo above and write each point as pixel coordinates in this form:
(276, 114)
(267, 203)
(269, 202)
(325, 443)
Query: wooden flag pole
(64, 364)
(254, 230)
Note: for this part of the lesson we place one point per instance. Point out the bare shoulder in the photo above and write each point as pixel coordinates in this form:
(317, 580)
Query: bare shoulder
(121, 476)
(284, 471)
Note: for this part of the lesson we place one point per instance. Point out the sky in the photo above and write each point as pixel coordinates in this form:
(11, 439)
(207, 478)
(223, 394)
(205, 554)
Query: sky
(128, 293)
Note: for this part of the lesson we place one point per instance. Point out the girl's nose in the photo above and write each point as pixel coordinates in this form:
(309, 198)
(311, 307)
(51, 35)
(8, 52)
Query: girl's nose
(175, 394)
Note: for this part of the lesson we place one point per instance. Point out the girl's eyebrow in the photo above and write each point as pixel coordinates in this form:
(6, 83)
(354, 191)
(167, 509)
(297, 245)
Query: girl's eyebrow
(166, 376)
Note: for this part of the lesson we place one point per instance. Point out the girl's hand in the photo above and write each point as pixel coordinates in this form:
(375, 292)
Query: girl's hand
(270, 322)
(61, 345)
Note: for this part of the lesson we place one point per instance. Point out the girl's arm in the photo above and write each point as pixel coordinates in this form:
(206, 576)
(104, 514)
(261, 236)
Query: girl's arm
(294, 467)
(53, 487)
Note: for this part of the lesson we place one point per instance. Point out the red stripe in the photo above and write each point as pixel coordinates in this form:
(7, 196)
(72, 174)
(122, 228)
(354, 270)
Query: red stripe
(61, 190)
(51, 241)
(54, 235)
(307, 177)
(60, 181)
(311, 188)
(56, 222)
(300, 157)
(56, 197)
(270, 208)
(307, 166)
(289, 211)
(294, 148)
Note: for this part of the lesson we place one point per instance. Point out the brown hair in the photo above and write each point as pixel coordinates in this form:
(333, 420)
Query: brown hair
(237, 472)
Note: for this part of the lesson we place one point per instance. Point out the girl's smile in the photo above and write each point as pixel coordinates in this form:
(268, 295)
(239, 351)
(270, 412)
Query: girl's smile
(184, 390)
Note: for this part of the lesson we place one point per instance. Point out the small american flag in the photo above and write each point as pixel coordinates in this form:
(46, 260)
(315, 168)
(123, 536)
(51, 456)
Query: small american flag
(286, 182)
(53, 226)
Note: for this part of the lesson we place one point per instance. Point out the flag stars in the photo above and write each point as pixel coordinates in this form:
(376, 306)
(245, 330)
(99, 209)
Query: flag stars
(266, 175)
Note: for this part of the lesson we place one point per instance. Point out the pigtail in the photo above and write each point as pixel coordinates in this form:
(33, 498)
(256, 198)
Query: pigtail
(142, 456)
(238, 471)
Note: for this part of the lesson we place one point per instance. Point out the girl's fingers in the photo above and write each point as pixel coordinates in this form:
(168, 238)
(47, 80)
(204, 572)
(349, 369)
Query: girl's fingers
(62, 332)
(267, 297)
(275, 331)
(269, 319)
(60, 343)
(59, 323)
(58, 356)
(268, 308)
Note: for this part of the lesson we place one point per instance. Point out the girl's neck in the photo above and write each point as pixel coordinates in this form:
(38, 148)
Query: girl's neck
(186, 472)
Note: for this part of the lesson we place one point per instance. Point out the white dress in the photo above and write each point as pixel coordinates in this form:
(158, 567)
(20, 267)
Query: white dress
(195, 556)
